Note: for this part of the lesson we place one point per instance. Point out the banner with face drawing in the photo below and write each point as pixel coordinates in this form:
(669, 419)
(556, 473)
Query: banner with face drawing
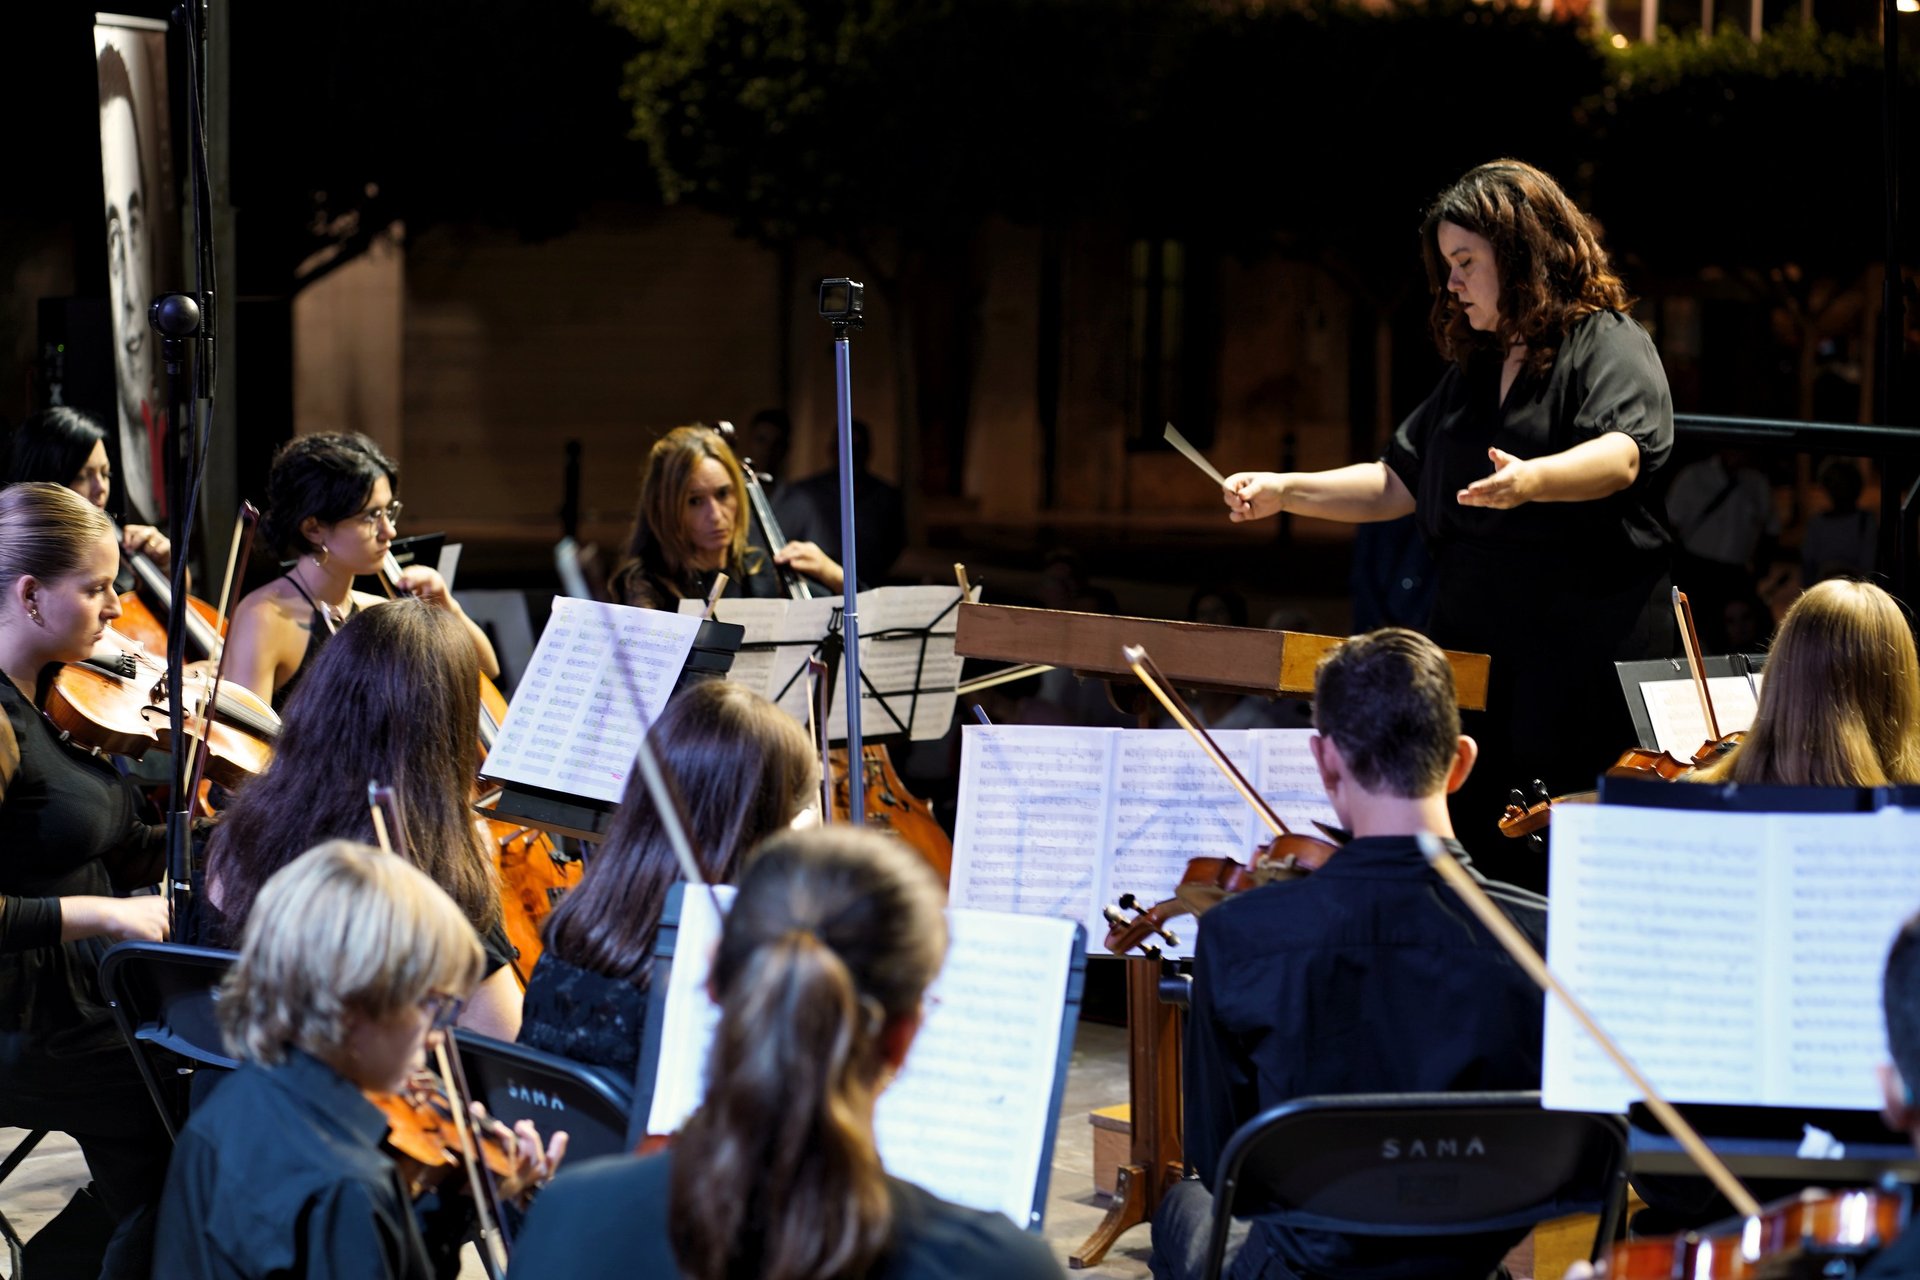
(143, 243)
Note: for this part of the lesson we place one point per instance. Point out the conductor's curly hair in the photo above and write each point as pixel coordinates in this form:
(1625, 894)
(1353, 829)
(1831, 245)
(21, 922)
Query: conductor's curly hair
(1553, 270)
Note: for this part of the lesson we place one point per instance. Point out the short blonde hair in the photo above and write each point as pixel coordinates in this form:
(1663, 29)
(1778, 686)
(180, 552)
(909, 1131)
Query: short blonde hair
(47, 530)
(343, 928)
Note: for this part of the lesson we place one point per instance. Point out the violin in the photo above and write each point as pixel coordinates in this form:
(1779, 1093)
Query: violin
(111, 713)
(425, 1142)
(1793, 1234)
(1288, 855)
(534, 874)
(1521, 819)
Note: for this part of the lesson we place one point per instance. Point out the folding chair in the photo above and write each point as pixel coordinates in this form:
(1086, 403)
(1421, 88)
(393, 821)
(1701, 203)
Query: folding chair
(1420, 1164)
(518, 1083)
(162, 997)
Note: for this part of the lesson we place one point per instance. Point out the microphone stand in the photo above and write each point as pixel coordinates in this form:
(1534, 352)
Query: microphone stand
(186, 321)
(846, 320)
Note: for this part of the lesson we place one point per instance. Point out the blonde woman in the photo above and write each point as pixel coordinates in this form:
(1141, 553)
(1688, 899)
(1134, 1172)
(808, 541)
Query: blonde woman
(353, 962)
(1841, 702)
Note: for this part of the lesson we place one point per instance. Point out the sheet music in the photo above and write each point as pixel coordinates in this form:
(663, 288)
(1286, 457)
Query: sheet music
(895, 665)
(890, 664)
(1061, 821)
(1734, 956)
(1673, 709)
(1033, 816)
(792, 628)
(1170, 805)
(967, 1117)
(686, 1033)
(575, 720)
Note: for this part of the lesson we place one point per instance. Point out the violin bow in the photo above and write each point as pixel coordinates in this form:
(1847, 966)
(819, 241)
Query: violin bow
(1149, 675)
(1696, 664)
(245, 525)
(1509, 936)
(390, 831)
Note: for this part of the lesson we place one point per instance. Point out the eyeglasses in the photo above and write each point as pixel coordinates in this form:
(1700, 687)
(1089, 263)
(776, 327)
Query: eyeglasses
(391, 511)
(442, 1010)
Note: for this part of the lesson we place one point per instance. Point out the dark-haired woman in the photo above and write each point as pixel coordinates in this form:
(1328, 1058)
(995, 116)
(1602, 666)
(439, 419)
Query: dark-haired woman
(393, 697)
(822, 966)
(331, 510)
(71, 842)
(1528, 470)
(64, 446)
(745, 770)
(692, 524)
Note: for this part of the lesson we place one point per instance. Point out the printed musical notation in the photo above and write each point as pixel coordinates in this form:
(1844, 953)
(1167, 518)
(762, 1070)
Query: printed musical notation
(968, 1116)
(1062, 821)
(1735, 956)
(599, 673)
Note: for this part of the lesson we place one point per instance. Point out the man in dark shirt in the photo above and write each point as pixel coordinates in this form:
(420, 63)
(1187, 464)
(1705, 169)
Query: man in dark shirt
(1367, 976)
(1900, 994)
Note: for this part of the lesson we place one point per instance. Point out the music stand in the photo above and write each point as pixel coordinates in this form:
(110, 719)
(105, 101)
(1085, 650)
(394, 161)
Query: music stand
(1655, 670)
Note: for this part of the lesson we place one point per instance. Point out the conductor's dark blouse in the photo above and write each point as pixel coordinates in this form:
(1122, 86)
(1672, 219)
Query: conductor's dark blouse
(1555, 592)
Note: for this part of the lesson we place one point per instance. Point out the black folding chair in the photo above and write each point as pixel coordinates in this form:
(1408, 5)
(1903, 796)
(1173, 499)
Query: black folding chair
(16, 1247)
(1420, 1164)
(162, 997)
(518, 1083)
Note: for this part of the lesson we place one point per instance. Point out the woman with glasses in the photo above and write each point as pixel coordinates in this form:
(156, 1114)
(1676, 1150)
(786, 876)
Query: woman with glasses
(352, 965)
(394, 698)
(331, 511)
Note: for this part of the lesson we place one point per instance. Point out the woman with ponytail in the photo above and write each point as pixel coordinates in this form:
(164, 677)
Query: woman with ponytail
(826, 954)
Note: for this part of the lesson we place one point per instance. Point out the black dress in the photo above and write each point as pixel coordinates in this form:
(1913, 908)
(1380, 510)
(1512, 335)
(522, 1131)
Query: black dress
(608, 1218)
(1556, 592)
(69, 826)
(583, 1016)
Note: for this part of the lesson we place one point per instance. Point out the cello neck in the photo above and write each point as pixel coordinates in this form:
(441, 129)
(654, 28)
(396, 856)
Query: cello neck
(154, 585)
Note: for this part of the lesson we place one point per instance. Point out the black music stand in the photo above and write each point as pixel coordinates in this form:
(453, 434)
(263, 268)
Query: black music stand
(830, 647)
(1633, 674)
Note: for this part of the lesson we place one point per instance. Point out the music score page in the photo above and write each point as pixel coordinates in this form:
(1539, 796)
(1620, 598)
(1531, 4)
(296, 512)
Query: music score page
(1059, 821)
(1736, 957)
(599, 674)
(968, 1116)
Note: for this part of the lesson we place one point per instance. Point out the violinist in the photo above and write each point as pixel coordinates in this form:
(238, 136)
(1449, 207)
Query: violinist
(692, 523)
(332, 510)
(1364, 977)
(65, 446)
(1840, 706)
(822, 967)
(1529, 469)
(746, 770)
(353, 961)
(393, 696)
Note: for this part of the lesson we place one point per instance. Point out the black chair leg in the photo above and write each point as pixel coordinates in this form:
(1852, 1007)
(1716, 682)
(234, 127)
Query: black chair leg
(16, 1247)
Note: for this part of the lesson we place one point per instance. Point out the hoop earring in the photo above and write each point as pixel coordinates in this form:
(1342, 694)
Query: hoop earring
(321, 558)
(33, 611)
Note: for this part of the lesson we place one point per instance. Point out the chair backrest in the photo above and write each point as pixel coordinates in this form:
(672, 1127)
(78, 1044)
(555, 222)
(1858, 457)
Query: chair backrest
(162, 999)
(518, 1083)
(1423, 1164)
